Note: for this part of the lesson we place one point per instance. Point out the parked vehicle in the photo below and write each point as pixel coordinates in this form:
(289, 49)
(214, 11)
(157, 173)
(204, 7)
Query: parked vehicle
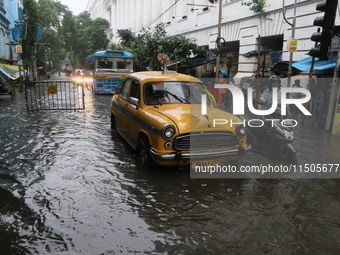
(273, 140)
(159, 115)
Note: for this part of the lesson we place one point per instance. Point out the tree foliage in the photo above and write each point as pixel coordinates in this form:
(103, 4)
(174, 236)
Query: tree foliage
(62, 33)
(30, 31)
(51, 49)
(146, 46)
(256, 6)
(85, 36)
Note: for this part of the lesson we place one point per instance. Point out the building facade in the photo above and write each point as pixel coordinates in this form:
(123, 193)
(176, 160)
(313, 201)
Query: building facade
(243, 32)
(10, 11)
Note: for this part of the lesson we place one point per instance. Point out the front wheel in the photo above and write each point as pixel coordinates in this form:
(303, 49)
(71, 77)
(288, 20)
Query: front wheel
(113, 122)
(143, 151)
(288, 155)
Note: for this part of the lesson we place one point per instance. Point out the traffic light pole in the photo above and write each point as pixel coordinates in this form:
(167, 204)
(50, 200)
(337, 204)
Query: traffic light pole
(290, 68)
(218, 40)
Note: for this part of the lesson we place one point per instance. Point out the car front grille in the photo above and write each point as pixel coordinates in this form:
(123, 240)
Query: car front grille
(205, 141)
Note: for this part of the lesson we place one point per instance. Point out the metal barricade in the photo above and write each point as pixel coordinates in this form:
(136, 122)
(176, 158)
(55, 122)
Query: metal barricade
(54, 95)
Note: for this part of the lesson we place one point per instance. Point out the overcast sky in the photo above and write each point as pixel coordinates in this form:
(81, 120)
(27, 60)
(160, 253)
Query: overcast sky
(76, 6)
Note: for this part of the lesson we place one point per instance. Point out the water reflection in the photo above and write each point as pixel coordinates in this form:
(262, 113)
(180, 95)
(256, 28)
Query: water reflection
(68, 185)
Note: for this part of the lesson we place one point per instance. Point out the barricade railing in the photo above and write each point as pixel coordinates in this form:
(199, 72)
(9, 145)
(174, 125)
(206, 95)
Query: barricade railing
(54, 95)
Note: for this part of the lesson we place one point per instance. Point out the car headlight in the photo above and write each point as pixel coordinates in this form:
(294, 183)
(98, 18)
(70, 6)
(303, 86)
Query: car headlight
(241, 130)
(168, 131)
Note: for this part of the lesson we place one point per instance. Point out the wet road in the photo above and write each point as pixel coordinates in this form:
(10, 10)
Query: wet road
(68, 185)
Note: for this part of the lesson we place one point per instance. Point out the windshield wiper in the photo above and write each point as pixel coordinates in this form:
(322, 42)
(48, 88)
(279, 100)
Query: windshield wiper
(158, 101)
(178, 98)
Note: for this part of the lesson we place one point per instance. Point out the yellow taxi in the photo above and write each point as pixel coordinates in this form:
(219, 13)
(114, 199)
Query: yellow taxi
(159, 115)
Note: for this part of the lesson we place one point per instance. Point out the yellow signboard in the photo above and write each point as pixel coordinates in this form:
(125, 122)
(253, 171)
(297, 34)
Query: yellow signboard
(336, 124)
(292, 45)
(18, 48)
(52, 90)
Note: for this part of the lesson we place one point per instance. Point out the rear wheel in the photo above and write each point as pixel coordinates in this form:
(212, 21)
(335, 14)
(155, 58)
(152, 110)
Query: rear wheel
(288, 156)
(143, 150)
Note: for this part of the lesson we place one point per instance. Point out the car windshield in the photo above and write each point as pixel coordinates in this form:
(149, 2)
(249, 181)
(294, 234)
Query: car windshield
(173, 92)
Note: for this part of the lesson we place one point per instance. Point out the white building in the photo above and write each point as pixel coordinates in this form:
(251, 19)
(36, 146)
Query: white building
(198, 19)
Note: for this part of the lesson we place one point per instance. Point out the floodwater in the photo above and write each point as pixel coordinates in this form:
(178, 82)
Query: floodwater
(68, 185)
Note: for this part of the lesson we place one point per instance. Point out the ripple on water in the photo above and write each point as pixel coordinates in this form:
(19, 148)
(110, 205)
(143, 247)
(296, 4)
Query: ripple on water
(84, 194)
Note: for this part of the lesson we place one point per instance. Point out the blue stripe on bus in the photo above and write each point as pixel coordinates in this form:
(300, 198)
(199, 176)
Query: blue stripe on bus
(138, 120)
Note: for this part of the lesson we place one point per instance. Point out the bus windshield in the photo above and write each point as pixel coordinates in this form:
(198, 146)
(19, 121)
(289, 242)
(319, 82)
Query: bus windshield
(110, 64)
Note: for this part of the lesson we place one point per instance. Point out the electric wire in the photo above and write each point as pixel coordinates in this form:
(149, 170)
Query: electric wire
(159, 16)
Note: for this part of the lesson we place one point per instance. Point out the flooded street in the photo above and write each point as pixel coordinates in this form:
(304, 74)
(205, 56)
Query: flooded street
(68, 185)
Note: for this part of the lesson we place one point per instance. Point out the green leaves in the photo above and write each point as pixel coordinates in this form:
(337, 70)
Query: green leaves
(89, 36)
(30, 31)
(256, 6)
(146, 45)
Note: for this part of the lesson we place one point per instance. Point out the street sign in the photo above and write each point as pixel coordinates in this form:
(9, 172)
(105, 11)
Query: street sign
(292, 45)
(52, 90)
(18, 49)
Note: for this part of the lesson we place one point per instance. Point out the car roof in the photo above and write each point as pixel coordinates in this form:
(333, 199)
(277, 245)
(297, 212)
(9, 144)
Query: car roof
(149, 76)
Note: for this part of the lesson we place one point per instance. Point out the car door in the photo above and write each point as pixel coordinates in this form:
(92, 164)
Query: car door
(133, 111)
(122, 101)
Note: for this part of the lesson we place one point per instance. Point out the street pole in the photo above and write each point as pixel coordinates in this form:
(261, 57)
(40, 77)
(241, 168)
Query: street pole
(291, 53)
(258, 58)
(35, 71)
(334, 97)
(218, 40)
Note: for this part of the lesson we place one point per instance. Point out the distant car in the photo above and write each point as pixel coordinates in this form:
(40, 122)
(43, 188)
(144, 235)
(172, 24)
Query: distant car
(155, 113)
(79, 72)
(78, 76)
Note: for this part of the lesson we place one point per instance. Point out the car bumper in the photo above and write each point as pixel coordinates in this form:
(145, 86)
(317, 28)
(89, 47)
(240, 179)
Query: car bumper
(198, 154)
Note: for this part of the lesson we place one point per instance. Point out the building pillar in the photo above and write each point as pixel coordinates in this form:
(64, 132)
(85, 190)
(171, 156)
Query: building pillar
(127, 12)
(139, 15)
(147, 10)
(113, 21)
(181, 9)
(156, 11)
(248, 42)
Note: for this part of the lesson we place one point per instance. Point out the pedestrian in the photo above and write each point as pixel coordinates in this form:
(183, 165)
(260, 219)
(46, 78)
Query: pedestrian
(266, 98)
(295, 111)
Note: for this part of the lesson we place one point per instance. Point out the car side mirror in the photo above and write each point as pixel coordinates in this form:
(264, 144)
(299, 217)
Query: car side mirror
(134, 101)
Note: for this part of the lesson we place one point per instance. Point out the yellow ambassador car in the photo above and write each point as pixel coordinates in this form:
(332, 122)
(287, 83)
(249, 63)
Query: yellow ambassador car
(159, 115)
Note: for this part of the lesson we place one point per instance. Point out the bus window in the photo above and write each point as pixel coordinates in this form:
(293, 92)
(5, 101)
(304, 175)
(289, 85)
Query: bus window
(124, 65)
(104, 64)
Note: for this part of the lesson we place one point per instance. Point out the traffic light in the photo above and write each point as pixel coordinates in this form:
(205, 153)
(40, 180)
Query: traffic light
(329, 7)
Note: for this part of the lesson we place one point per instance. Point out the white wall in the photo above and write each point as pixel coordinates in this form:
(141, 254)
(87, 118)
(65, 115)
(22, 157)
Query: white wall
(238, 22)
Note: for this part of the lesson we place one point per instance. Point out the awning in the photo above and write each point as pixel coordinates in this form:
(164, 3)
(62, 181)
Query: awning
(208, 57)
(305, 64)
(9, 72)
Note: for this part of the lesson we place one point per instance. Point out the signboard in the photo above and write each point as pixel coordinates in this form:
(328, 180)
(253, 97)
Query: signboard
(336, 123)
(52, 90)
(18, 49)
(115, 54)
(292, 45)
